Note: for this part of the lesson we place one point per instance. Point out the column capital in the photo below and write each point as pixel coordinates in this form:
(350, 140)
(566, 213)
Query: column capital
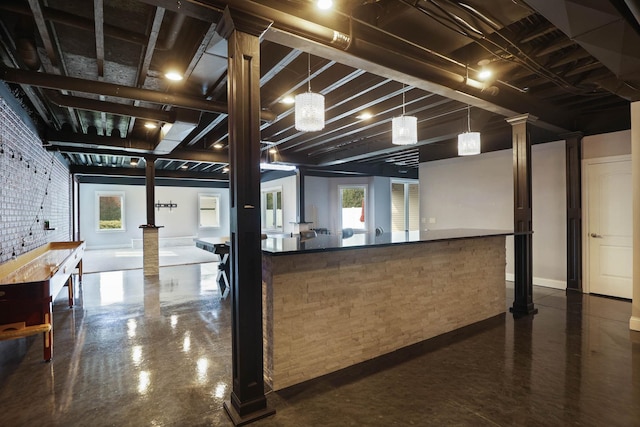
(572, 135)
(236, 20)
(521, 118)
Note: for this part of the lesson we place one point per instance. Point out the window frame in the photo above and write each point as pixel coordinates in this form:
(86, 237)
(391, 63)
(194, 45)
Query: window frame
(216, 197)
(263, 208)
(101, 194)
(364, 187)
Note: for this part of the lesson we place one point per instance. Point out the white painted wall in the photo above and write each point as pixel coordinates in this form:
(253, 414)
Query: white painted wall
(548, 166)
(606, 145)
(381, 202)
(179, 222)
(316, 198)
(477, 192)
(289, 188)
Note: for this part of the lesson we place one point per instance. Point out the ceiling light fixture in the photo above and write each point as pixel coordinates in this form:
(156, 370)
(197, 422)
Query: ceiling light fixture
(173, 75)
(150, 125)
(324, 4)
(309, 110)
(404, 129)
(288, 100)
(134, 161)
(469, 142)
(217, 146)
(484, 74)
(364, 116)
(277, 167)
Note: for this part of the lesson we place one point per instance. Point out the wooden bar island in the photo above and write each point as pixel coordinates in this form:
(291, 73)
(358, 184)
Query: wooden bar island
(329, 302)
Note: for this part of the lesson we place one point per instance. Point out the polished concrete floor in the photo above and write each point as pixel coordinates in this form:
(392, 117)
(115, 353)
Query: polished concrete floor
(156, 352)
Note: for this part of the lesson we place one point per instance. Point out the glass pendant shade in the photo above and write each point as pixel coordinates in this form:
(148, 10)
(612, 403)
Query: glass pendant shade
(404, 130)
(309, 112)
(469, 143)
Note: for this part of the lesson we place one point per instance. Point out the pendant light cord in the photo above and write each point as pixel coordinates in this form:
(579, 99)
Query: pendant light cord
(468, 118)
(403, 101)
(309, 72)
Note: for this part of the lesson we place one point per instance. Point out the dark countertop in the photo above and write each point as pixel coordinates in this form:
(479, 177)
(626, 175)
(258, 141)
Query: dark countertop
(321, 243)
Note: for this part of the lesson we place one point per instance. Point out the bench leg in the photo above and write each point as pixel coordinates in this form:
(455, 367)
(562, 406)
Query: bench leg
(70, 286)
(48, 340)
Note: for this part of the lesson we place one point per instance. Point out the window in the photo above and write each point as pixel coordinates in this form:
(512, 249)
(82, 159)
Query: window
(405, 203)
(110, 211)
(272, 209)
(209, 210)
(353, 206)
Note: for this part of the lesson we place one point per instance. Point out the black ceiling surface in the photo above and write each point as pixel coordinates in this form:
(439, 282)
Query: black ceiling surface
(91, 74)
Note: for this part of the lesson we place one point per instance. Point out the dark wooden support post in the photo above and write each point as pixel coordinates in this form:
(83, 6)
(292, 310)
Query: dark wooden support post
(522, 216)
(248, 402)
(150, 184)
(573, 146)
(301, 208)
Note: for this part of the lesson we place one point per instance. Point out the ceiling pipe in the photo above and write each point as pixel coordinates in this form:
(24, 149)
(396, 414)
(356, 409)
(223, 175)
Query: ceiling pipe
(26, 45)
(52, 81)
(28, 53)
(174, 30)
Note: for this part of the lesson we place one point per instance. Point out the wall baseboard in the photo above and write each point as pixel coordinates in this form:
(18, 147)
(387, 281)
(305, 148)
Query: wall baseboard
(541, 281)
(165, 242)
(634, 323)
(99, 247)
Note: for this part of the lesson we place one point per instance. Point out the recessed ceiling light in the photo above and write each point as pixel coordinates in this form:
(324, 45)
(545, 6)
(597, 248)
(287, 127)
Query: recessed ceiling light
(173, 75)
(217, 146)
(364, 116)
(225, 170)
(288, 100)
(273, 150)
(184, 167)
(484, 74)
(324, 4)
(150, 125)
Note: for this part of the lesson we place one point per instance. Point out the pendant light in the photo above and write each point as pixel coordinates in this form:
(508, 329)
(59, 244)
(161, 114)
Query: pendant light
(469, 142)
(404, 129)
(309, 110)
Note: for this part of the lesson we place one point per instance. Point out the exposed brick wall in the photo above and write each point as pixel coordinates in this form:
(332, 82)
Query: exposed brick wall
(326, 311)
(35, 186)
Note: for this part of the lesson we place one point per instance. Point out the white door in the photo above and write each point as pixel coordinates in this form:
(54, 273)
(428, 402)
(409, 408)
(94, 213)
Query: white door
(609, 228)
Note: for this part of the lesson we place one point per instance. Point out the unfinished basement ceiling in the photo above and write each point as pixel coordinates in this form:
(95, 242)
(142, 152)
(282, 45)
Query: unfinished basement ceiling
(92, 73)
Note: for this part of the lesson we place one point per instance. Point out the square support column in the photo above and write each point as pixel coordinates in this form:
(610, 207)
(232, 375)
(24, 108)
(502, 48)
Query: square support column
(150, 251)
(248, 402)
(573, 151)
(150, 238)
(522, 216)
(634, 321)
